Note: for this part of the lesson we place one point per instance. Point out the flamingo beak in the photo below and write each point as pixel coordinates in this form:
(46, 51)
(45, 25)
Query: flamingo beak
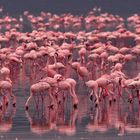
(61, 78)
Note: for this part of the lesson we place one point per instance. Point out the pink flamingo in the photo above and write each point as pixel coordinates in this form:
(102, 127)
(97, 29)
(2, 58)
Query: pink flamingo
(7, 86)
(94, 86)
(39, 88)
(82, 53)
(102, 83)
(67, 84)
(5, 73)
(81, 70)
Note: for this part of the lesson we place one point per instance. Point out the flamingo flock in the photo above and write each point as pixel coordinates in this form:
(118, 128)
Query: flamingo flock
(64, 52)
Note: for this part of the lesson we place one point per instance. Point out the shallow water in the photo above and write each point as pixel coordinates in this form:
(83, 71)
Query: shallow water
(121, 120)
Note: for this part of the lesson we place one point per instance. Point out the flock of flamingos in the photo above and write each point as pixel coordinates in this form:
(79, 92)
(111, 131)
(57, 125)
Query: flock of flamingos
(94, 51)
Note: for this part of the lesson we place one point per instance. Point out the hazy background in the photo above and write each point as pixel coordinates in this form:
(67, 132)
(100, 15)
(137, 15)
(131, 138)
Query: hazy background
(121, 7)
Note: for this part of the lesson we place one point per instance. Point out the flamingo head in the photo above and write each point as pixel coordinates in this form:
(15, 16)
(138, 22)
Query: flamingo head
(109, 81)
(58, 77)
(56, 54)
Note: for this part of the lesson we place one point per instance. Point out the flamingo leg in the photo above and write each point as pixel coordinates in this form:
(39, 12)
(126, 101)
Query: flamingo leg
(129, 95)
(73, 92)
(13, 97)
(138, 92)
(101, 93)
(29, 98)
(52, 102)
(107, 93)
(36, 102)
(97, 96)
(42, 98)
(74, 98)
(1, 104)
(91, 95)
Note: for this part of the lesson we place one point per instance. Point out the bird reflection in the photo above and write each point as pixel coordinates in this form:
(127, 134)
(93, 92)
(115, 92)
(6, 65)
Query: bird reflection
(43, 125)
(125, 119)
(99, 121)
(6, 120)
(132, 122)
(53, 120)
(67, 127)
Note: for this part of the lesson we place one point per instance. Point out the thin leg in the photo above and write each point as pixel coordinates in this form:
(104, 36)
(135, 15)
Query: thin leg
(36, 102)
(52, 102)
(27, 102)
(13, 97)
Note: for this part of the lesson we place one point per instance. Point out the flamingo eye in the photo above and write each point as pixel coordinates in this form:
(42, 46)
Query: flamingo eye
(59, 79)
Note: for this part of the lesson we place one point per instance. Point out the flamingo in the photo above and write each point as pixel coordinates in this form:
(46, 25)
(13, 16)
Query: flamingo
(39, 88)
(67, 84)
(6, 91)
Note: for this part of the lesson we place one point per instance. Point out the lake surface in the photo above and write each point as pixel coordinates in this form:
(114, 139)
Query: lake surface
(121, 120)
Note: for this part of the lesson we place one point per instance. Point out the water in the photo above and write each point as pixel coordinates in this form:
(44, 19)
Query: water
(123, 8)
(121, 120)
